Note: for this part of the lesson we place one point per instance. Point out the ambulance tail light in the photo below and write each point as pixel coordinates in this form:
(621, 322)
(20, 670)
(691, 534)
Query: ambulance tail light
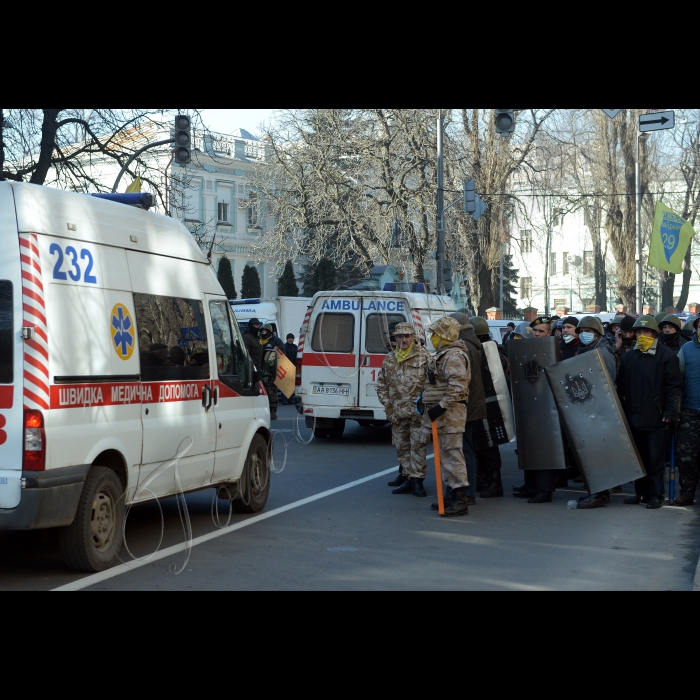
(261, 386)
(297, 381)
(34, 441)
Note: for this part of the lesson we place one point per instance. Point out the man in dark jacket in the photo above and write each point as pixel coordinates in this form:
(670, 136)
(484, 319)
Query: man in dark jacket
(569, 343)
(488, 457)
(671, 337)
(650, 386)
(509, 334)
(252, 343)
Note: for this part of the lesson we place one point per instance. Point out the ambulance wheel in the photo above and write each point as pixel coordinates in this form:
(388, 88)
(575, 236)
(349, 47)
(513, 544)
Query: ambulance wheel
(93, 541)
(254, 486)
(320, 432)
(364, 423)
(338, 428)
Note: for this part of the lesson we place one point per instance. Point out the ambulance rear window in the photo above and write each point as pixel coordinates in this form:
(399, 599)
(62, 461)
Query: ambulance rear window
(379, 328)
(5, 332)
(334, 333)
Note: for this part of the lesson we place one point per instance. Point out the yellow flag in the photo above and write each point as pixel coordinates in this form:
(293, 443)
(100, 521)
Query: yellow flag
(135, 186)
(286, 374)
(670, 239)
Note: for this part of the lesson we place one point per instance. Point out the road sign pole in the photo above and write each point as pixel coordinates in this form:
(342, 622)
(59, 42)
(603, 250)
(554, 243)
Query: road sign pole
(638, 222)
(440, 257)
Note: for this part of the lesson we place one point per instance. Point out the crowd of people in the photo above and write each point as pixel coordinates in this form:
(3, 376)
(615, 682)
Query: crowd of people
(653, 363)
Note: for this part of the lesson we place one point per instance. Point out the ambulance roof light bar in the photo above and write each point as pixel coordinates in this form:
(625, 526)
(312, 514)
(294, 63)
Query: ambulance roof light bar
(244, 301)
(143, 200)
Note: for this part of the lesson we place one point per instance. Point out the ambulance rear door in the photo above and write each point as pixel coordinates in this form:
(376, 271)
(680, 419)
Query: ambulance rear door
(11, 354)
(331, 354)
(379, 318)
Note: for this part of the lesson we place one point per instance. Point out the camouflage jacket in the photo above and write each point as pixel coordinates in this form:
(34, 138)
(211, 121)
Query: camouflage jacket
(453, 373)
(400, 384)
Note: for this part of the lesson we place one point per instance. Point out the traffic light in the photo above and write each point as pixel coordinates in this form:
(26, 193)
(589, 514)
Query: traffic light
(505, 121)
(469, 196)
(182, 147)
(448, 275)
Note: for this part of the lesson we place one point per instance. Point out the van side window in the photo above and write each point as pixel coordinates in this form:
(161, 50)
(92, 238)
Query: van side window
(379, 328)
(231, 357)
(5, 332)
(172, 338)
(334, 333)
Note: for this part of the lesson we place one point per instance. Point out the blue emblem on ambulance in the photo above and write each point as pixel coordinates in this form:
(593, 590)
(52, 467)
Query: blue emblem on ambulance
(122, 328)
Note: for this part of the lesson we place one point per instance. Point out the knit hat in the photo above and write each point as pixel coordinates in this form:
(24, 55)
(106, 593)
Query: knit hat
(571, 320)
(626, 323)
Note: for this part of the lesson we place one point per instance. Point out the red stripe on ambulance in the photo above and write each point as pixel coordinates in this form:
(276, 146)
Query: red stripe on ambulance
(36, 355)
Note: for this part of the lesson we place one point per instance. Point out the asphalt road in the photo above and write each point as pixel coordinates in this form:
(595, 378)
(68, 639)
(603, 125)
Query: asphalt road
(360, 536)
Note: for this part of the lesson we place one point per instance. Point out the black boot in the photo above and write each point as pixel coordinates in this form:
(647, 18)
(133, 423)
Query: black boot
(417, 488)
(405, 487)
(687, 498)
(449, 496)
(483, 478)
(595, 500)
(400, 478)
(495, 488)
(541, 497)
(459, 505)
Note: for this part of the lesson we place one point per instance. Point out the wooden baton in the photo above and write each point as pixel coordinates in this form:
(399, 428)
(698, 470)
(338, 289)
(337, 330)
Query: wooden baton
(438, 470)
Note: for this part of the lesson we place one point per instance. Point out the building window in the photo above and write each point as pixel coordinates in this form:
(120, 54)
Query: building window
(223, 212)
(565, 263)
(253, 211)
(208, 185)
(558, 217)
(526, 241)
(525, 287)
(553, 264)
(588, 263)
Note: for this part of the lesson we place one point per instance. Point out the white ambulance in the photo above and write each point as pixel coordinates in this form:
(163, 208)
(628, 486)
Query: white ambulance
(345, 338)
(123, 375)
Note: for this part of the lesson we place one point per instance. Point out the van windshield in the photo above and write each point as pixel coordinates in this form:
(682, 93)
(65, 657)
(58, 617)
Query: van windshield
(5, 332)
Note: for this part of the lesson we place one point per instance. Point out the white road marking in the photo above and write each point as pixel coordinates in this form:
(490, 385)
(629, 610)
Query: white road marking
(92, 579)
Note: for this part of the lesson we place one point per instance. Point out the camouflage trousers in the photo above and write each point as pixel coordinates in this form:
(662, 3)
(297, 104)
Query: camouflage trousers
(410, 447)
(688, 449)
(452, 461)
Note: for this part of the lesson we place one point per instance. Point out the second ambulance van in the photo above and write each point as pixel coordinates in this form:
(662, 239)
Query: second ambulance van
(345, 338)
(123, 375)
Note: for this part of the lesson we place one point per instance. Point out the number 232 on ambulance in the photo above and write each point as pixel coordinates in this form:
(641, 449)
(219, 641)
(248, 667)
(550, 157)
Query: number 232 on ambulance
(345, 338)
(123, 375)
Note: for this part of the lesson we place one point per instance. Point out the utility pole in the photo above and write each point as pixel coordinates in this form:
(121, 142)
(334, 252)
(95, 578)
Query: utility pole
(638, 222)
(440, 256)
(500, 278)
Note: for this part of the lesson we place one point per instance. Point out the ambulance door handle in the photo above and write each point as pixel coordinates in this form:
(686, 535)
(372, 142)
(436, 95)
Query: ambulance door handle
(366, 360)
(206, 397)
(216, 396)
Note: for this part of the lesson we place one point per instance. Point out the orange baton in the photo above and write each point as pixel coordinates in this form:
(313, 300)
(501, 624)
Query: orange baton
(438, 470)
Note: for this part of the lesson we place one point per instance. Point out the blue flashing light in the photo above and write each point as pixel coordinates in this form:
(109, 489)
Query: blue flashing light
(244, 301)
(144, 200)
(417, 287)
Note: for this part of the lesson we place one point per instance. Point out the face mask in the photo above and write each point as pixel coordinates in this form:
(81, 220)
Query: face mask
(587, 337)
(568, 338)
(435, 340)
(644, 342)
(402, 355)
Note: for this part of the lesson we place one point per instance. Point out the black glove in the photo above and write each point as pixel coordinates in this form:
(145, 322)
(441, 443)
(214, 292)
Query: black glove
(435, 412)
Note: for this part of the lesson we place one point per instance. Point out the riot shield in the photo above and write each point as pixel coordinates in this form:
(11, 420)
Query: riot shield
(539, 434)
(594, 421)
(498, 427)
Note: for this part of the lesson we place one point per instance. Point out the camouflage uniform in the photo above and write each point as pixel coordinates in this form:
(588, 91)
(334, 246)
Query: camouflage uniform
(452, 376)
(688, 448)
(398, 386)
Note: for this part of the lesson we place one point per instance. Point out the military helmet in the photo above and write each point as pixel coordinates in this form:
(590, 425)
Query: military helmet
(646, 322)
(447, 328)
(673, 320)
(404, 329)
(267, 327)
(461, 318)
(615, 322)
(690, 323)
(481, 327)
(523, 330)
(660, 316)
(590, 322)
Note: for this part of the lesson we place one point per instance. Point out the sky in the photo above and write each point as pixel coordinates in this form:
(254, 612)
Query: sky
(226, 120)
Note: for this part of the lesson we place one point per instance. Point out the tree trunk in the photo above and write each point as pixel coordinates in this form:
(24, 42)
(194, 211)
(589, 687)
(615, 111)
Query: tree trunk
(668, 280)
(48, 140)
(685, 287)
